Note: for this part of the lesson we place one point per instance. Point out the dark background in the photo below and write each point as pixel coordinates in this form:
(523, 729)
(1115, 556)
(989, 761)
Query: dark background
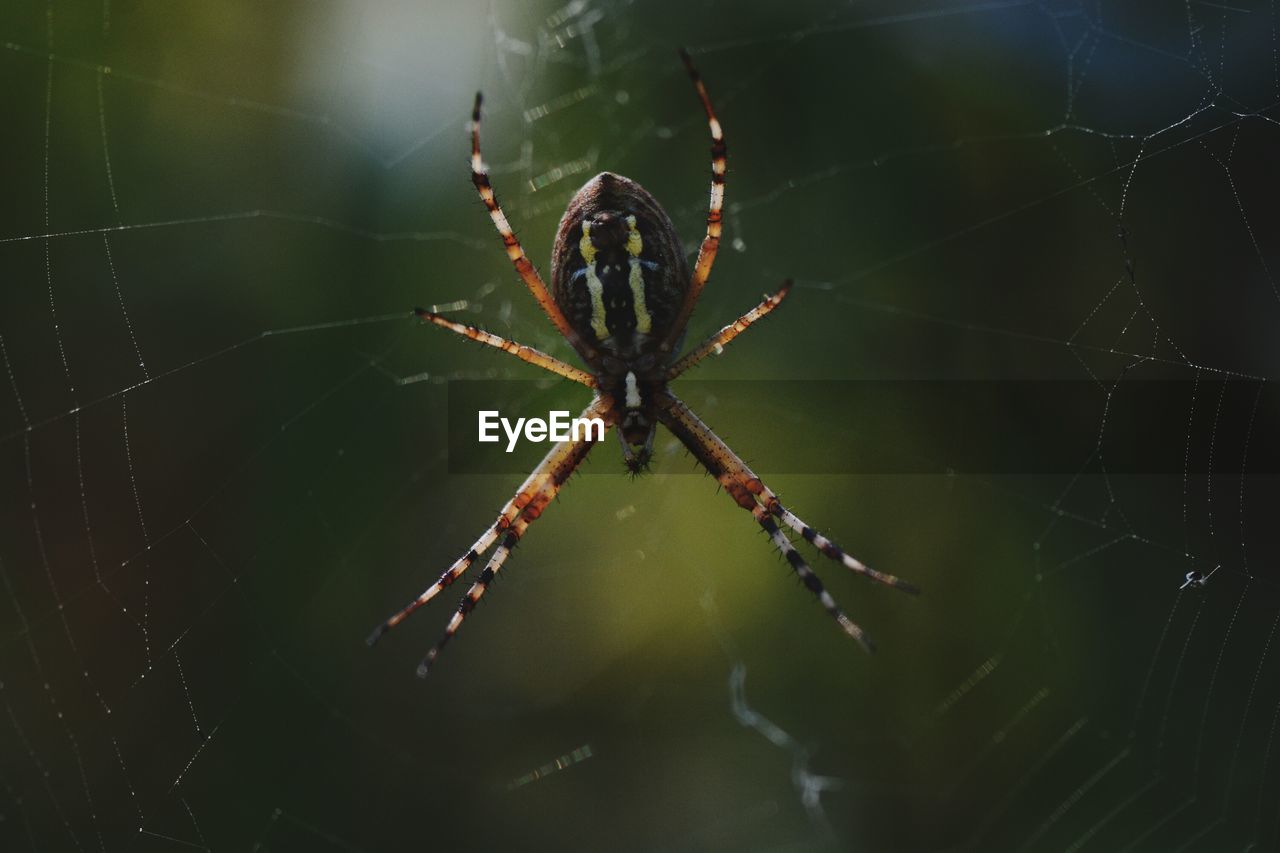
(224, 448)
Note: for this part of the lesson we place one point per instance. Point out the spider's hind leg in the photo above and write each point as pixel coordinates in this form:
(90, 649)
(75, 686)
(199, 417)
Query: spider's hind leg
(479, 588)
(829, 548)
(751, 494)
(809, 579)
(459, 567)
(559, 464)
(522, 510)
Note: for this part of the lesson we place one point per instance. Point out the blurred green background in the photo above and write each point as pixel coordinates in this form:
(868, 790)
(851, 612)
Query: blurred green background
(223, 441)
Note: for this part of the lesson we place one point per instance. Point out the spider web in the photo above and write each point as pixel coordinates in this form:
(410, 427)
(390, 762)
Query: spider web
(223, 439)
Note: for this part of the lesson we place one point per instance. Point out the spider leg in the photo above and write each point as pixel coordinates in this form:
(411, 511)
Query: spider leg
(525, 506)
(520, 351)
(459, 568)
(477, 589)
(766, 496)
(746, 488)
(524, 267)
(829, 548)
(711, 241)
(716, 342)
(571, 454)
(808, 578)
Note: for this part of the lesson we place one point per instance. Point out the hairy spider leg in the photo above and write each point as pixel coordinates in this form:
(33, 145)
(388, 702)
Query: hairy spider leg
(714, 344)
(519, 350)
(808, 578)
(570, 457)
(746, 488)
(477, 589)
(551, 472)
(525, 268)
(711, 241)
(829, 548)
(717, 342)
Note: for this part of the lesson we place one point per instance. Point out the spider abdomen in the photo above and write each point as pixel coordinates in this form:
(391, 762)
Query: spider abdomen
(618, 270)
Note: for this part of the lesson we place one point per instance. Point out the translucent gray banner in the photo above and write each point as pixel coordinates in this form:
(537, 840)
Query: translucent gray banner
(1224, 427)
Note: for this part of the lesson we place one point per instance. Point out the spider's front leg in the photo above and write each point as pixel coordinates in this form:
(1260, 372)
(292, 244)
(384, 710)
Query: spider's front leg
(522, 510)
(715, 213)
(524, 267)
(750, 493)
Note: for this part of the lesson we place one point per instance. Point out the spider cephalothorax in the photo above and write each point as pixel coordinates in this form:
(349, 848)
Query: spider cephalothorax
(621, 294)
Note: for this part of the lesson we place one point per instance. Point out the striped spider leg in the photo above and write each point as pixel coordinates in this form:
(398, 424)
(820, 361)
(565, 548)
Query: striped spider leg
(749, 492)
(717, 342)
(524, 353)
(524, 266)
(715, 215)
(524, 508)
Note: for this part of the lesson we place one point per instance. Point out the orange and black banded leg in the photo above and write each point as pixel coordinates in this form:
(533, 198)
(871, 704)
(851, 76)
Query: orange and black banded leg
(525, 268)
(573, 452)
(716, 343)
(745, 488)
(520, 351)
(554, 468)
(715, 210)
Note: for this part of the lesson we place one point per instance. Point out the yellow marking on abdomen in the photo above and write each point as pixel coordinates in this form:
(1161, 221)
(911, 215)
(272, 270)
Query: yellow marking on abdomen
(635, 245)
(594, 286)
(586, 247)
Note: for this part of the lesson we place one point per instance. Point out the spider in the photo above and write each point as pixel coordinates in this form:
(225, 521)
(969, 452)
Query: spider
(621, 295)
